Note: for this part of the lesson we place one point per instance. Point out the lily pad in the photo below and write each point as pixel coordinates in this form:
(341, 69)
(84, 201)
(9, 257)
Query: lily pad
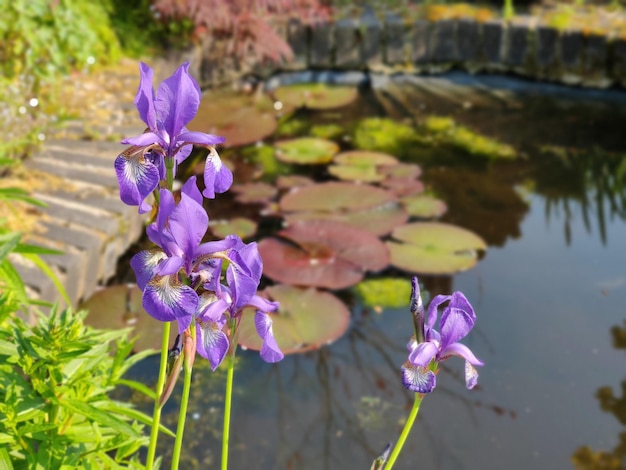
(293, 181)
(120, 307)
(364, 158)
(378, 221)
(385, 292)
(306, 150)
(240, 119)
(327, 131)
(365, 174)
(240, 226)
(385, 135)
(322, 253)
(316, 95)
(434, 248)
(401, 170)
(306, 320)
(403, 186)
(251, 193)
(336, 197)
(424, 206)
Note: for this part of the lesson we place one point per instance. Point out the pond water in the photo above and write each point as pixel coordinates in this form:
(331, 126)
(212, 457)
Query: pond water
(550, 297)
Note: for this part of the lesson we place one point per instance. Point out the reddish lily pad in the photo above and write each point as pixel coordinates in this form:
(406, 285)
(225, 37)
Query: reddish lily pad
(403, 186)
(378, 221)
(293, 181)
(306, 320)
(120, 307)
(251, 193)
(240, 119)
(322, 253)
(335, 197)
(424, 206)
(240, 226)
(306, 151)
(360, 165)
(434, 248)
(316, 95)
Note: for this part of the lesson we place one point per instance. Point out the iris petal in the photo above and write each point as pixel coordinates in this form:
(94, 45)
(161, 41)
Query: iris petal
(212, 343)
(418, 379)
(270, 352)
(137, 178)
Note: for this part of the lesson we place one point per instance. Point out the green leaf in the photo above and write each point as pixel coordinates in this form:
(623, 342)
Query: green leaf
(8, 242)
(5, 460)
(138, 386)
(37, 250)
(139, 416)
(99, 416)
(17, 194)
(50, 273)
(7, 349)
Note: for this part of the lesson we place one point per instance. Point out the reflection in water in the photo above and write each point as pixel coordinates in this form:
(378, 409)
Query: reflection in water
(592, 181)
(585, 458)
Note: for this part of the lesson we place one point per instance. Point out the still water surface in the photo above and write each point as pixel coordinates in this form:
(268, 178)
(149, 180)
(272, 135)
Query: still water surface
(548, 293)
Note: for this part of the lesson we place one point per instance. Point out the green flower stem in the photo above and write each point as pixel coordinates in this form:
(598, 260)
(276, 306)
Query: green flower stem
(405, 431)
(184, 400)
(156, 416)
(227, 406)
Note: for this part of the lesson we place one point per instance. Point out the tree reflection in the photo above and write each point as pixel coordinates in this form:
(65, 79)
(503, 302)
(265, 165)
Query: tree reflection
(585, 458)
(590, 182)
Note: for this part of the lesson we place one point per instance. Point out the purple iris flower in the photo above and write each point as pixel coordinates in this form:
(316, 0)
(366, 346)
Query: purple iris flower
(432, 346)
(166, 112)
(228, 301)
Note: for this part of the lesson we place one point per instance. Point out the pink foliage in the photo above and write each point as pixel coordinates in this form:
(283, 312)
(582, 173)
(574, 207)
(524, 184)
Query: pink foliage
(245, 24)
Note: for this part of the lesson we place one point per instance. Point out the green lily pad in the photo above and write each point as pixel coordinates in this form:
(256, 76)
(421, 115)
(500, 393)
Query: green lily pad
(251, 193)
(327, 131)
(307, 319)
(316, 95)
(364, 158)
(401, 170)
(385, 135)
(336, 197)
(120, 307)
(240, 119)
(365, 174)
(240, 226)
(424, 206)
(306, 151)
(264, 158)
(322, 253)
(384, 292)
(434, 248)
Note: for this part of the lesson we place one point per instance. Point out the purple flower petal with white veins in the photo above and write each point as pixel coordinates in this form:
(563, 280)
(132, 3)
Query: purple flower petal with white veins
(137, 177)
(144, 265)
(217, 177)
(167, 300)
(212, 343)
(418, 379)
(270, 352)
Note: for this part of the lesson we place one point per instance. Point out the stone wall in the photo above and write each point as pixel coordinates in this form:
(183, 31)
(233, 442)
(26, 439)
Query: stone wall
(522, 46)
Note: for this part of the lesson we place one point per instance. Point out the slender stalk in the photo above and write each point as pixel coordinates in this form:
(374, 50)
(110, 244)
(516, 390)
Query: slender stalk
(156, 415)
(405, 431)
(227, 406)
(189, 351)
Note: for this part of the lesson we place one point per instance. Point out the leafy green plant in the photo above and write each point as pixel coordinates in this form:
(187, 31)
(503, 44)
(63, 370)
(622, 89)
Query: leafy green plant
(55, 411)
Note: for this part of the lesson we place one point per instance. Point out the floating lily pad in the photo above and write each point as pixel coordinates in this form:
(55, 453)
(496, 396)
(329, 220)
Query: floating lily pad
(240, 226)
(364, 158)
(293, 181)
(306, 320)
(424, 206)
(316, 95)
(327, 131)
(264, 157)
(378, 221)
(336, 197)
(250, 193)
(240, 119)
(365, 174)
(403, 186)
(322, 253)
(434, 248)
(401, 170)
(306, 150)
(385, 292)
(120, 307)
(385, 135)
